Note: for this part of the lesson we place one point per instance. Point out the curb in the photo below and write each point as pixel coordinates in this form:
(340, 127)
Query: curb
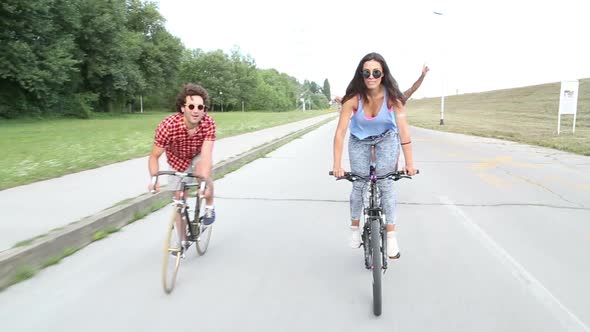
(20, 263)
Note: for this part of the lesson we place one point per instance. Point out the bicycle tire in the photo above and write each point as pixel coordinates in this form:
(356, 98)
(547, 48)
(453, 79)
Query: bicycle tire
(172, 254)
(376, 258)
(204, 235)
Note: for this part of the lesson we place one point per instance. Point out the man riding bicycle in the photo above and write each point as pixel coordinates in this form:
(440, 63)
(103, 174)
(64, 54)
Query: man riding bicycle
(187, 137)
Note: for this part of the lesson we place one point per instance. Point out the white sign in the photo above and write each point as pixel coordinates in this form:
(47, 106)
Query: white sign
(568, 101)
(568, 97)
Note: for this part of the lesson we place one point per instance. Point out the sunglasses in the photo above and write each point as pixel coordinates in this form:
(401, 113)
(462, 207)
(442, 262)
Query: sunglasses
(367, 73)
(199, 107)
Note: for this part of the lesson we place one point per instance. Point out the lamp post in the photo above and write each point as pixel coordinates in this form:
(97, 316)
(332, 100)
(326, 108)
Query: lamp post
(221, 99)
(442, 95)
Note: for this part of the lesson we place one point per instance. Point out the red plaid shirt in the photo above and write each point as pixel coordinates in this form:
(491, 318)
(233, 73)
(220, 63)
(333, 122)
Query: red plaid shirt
(172, 135)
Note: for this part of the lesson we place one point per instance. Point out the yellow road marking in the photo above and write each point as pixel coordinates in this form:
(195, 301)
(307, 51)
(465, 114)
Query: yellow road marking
(501, 160)
(494, 180)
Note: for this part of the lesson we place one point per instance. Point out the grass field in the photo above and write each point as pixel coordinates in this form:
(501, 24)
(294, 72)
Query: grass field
(526, 115)
(34, 150)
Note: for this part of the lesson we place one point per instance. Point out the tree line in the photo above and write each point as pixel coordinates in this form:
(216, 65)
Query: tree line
(75, 57)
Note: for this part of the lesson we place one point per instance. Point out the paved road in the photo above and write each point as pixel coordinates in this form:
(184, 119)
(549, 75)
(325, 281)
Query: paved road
(494, 237)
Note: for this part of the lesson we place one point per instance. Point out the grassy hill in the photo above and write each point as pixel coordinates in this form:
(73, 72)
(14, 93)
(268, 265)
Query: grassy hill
(526, 115)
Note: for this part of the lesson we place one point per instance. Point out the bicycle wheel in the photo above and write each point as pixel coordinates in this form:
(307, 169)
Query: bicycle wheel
(172, 254)
(376, 258)
(203, 237)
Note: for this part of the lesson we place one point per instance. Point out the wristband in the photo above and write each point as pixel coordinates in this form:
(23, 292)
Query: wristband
(408, 142)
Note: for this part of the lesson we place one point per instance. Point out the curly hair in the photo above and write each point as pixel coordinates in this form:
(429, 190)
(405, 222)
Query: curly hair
(191, 89)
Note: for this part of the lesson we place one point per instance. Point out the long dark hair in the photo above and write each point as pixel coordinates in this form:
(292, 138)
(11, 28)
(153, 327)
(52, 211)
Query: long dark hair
(357, 84)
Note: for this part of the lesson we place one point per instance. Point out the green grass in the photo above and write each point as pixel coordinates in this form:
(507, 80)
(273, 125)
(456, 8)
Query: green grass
(104, 233)
(155, 207)
(526, 115)
(38, 149)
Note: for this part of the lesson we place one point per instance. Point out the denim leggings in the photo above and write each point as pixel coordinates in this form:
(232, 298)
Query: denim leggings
(386, 155)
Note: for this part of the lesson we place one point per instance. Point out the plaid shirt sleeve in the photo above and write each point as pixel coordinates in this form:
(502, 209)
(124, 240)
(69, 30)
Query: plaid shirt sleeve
(209, 132)
(162, 138)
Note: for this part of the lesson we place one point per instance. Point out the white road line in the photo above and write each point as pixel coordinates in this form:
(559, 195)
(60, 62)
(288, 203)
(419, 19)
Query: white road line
(568, 319)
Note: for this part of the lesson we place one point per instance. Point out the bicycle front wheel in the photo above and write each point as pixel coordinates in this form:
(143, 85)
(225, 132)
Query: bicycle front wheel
(376, 256)
(172, 254)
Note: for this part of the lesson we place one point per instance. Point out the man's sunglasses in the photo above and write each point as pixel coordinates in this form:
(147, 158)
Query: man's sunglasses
(199, 107)
(367, 73)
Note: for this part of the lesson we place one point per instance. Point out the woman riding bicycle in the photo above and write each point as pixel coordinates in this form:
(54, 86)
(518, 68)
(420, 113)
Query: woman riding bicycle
(375, 109)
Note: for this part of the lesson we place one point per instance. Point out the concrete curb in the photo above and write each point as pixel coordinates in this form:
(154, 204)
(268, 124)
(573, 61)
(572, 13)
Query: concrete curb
(22, 262)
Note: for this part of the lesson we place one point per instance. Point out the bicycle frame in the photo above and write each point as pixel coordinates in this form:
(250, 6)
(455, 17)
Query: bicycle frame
(181, 205)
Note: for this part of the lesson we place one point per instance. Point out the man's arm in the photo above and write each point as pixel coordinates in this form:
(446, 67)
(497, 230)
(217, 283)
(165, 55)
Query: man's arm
(154, 166)
(204, 167)
(416, 84)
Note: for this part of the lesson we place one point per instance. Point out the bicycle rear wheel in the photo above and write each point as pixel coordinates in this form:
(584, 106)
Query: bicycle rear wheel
(376, 258)
(172, 254)
(204, 232)
(203, 238)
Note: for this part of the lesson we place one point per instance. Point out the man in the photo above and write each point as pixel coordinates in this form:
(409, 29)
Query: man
(187, 137)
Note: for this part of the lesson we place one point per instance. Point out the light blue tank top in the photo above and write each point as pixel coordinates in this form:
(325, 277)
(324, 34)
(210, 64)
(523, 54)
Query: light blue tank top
(362, 126)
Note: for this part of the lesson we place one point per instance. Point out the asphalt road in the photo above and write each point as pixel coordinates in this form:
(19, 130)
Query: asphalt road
(494, 236)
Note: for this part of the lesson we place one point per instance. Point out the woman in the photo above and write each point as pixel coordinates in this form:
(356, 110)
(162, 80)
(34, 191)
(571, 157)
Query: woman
(374, 108)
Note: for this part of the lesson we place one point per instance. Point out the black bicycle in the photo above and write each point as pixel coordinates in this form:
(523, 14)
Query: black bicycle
(374, 236)
(182, 230)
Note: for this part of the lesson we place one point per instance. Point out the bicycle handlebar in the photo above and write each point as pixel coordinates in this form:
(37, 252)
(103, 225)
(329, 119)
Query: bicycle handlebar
(175, 173)
(350, 176)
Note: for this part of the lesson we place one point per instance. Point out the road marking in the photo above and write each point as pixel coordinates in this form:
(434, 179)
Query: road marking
(501, 160)
(568, 319)
(494, 180)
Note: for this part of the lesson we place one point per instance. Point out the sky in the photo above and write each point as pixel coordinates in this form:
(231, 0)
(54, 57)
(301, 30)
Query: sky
(474, 46)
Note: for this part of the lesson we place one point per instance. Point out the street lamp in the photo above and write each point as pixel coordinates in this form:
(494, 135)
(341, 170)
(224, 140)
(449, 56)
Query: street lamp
(442, 95)
(221, 98)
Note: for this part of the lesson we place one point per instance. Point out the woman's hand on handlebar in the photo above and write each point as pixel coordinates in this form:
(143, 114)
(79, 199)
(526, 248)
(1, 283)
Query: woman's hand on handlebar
(410, 170)
(338, 172)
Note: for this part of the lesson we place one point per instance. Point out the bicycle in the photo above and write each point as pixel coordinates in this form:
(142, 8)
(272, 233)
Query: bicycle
(195, 231)
(374, 236)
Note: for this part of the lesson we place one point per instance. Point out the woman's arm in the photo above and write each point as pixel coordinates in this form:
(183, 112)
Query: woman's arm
(341, 129)
(405, 137)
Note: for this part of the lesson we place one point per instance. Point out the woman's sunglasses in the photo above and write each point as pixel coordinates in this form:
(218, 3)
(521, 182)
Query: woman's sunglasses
(367, 73)
(199, 107)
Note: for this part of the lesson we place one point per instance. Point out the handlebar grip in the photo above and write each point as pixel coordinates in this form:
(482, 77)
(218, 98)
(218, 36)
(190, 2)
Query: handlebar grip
(331, 173)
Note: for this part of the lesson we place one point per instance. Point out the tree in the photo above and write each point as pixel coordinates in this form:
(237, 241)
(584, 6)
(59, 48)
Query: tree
(37, 54)
(326, 89)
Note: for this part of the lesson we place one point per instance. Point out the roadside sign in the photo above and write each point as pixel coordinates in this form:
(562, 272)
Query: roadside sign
(568, 102)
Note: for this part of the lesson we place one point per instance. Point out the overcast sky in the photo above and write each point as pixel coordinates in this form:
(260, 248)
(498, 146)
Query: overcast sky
(474, 46)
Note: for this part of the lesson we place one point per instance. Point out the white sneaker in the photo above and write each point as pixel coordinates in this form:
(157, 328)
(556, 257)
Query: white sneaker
(392, 246)
(355, 239)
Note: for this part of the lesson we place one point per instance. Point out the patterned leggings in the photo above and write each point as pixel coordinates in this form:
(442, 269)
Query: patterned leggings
(386, 155)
